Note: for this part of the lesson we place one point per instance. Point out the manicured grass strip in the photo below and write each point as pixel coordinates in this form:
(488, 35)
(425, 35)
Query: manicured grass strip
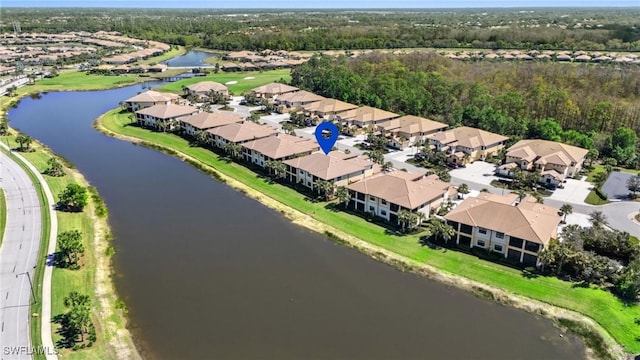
(594, 199)
(64, 280)
(258, 78)
(616, 317)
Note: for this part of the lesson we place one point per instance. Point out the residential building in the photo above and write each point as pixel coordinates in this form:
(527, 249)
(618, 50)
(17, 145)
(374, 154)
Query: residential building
(298, 98)
(269, 91)
(405, 131)
(279, 147)
(150, 98)
(553, 160)
(206, 120)
(166, 116)
(386, 194)
(337, 167)
(518, 230)
(466, 144)
(239, 133)
(203, 88)
(364, 116)
(327, 108)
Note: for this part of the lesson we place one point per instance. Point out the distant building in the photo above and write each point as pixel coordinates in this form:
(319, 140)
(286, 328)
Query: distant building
(206, 120)
(239, 133)
(203, 88)
(464, 144)
(150, 98)
(279, 147)
(166, 116)
(268, 91)
(405, 131)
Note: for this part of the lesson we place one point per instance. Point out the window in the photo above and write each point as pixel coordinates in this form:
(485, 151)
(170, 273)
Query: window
(371, 208)
(383, 213)
(531, 246)
(515, 242)
(372, 198)
(482, 231)
(481, 243)
(384, 202)
(497, 248)
(467, 229)
(500, 235)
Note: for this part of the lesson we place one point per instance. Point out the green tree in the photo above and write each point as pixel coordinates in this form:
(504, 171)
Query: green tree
(73, 198)
(70, 245)
(233, 150)
(24, 141)
(79, 315)
(342, 193)
(565, 210)
(4, 128)
(592, 155)
(276, 168)
(633, 184)
(622, 145)
(201, 137)
(376, 156)
(325, 188)
(408, 220)
(289, 129)
(387, 166)
(463, 189)
(440, 230)
(597, 219)
(54, 168)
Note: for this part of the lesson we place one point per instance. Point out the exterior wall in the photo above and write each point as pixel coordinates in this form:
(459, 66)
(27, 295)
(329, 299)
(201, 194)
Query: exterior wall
(549, 180)
(303, 177)
(139, 105)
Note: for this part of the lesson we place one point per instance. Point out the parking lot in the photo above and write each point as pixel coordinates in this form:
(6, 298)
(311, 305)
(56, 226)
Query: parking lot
(616, 185)
(478, 172)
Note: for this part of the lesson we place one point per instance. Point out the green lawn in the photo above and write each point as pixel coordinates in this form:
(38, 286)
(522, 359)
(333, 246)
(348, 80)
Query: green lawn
(64, 281)
(614, 316)
(594, 199)
(3, 215)
(177, 51)
(242, 85)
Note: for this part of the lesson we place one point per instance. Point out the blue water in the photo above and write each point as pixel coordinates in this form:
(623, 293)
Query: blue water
(191, 58)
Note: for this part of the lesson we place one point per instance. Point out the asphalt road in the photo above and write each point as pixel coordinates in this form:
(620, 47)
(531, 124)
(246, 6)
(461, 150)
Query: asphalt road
(616, 185)
(18, 256)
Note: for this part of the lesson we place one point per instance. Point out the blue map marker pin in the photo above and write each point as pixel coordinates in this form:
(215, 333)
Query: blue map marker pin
(326, 135)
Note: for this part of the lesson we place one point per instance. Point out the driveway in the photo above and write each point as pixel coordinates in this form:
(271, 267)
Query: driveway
(575, 191)
(616, 185)
(479, 172)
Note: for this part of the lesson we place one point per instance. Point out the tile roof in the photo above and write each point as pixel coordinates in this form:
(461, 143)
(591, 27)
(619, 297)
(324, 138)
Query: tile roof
(468, 137)
(412, 125)
(168, 111)
(399, 190)
(327, 167)
(281, 146)
(240, 132)
(205, 86)
(528, 220)
(274, 88)
(207, 120)
(551, 151)
(301, 96)
(152, 96)
(367, 114)
(329, 106)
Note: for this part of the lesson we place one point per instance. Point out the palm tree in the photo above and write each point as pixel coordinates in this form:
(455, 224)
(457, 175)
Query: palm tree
(539, 198)
(521, 195)
(565, 210)
(592, 155)
(4, 128)
(201, 137)
(325, 188)
(597, 219)
(375, 156)
(407, 220)
(342, 193)
(441, 230)
(234, 150)
(24, 141)
(277, 168)
(463, 189)
(387, 166)
(289, 129)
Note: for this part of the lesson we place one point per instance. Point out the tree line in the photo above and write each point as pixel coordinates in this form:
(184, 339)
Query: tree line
(594, 107)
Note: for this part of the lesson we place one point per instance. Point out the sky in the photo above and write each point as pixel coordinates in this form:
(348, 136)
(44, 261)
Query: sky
(319, 3)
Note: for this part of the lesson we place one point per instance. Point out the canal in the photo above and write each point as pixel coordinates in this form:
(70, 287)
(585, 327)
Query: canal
(209, 273)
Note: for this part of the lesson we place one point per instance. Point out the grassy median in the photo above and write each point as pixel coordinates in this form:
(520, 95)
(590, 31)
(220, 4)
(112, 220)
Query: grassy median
(617, 318)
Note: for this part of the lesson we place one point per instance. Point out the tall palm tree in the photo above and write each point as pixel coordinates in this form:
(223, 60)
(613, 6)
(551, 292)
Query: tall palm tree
(441, 230)
(277, 168)
(201, 137)
(463, 189)
(325, 188)
(24, 141)
(597, 219)
(565, 210)
(406, 219)
(234, 150)
(539, 198)
(521, 195)
(387, 166)
(342, 193)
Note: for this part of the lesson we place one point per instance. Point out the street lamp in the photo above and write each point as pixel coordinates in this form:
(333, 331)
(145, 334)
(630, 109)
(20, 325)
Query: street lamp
(33, 294)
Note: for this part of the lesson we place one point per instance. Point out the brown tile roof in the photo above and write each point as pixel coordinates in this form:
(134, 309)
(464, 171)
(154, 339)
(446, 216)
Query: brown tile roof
(281, 146)
(326, 167)
(528, 220)
(410, 194)
(168, 111)
(152, 96)
(551, 151)
(367, 114)
(468, 137)
(413, 125)
(301, 96)
(274, 88)
(329, 106)
(204, 86)
(240, 132)
(207, 120)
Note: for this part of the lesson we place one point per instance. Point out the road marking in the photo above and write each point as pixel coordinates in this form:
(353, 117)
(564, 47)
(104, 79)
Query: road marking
(6, 297)
(14, 268)
(3, 326)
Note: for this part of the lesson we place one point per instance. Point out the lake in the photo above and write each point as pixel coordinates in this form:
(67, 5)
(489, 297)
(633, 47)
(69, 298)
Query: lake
(191, 58)
(208, 273)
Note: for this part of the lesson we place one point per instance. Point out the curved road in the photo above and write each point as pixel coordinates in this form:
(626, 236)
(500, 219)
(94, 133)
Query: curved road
(18, 256)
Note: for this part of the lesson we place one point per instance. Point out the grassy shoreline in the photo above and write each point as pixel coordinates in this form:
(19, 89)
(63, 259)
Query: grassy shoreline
(545, 296)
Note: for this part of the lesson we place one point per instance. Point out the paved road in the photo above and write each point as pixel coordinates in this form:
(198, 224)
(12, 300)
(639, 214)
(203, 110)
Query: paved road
(18, 256)
(616, 185)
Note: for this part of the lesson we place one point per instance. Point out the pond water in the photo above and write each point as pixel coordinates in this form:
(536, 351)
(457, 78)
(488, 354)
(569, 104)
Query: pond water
(209, 273)
(191, 58)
